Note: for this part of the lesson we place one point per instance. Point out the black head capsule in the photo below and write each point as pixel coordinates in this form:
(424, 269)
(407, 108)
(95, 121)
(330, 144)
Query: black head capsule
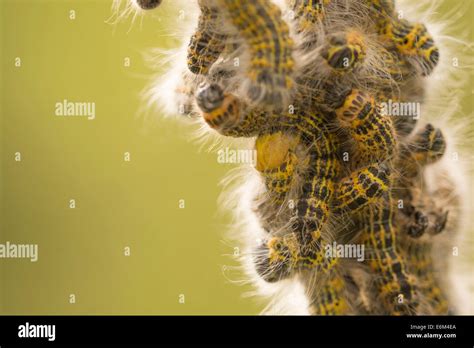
(148, 4)
(209, 97)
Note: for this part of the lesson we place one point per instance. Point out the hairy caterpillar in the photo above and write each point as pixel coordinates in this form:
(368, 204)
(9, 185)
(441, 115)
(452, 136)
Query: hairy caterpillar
(257, 27)
(345, 72)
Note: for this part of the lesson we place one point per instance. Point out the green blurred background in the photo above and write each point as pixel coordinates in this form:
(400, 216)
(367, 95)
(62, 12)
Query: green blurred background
(119, 204)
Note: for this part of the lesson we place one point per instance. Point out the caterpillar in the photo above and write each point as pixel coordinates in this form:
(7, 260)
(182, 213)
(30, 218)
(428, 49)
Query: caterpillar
(332, 167)
(258, 26)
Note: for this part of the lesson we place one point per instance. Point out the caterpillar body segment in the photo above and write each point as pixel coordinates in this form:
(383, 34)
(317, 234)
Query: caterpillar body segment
(395, 286)
(307, 13)
(411, 41)
(323, 168)
(417, 248)
(382, 12)
(423, 219)
(419, 261)
(260, 24)
(208, 41)
(329, 299)
(373, 133)
(313, 207)
(444, 198)
(385, 7)
(414, 42)
(434, 296)
(361, 189)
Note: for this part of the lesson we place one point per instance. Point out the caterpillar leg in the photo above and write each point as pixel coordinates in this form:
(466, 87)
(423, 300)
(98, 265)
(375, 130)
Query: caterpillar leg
(260, 24)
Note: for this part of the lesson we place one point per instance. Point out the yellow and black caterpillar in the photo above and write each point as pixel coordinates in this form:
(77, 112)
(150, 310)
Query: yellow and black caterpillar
(334, 168)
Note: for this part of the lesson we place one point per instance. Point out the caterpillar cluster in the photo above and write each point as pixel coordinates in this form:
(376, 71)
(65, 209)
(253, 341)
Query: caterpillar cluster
(336, 168)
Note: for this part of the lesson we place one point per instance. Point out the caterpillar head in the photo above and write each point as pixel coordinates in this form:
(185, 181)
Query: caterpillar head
(343, 51)
(272, 260)
(148, 4)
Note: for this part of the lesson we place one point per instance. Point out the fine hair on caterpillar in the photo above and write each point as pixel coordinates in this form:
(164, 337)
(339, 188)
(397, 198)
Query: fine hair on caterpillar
(303, 83)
